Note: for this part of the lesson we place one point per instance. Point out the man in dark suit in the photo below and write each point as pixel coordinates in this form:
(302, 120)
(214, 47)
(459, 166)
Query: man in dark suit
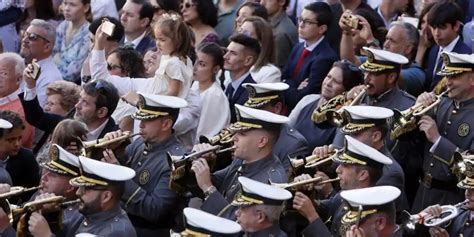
(312, 59)
(242, 53)
(136, 17)
(444, 19)
(97, 102)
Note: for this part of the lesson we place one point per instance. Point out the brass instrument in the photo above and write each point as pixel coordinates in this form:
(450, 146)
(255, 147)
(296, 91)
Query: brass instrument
(448, 213)
(17, 190)
(225, 136)
(458, 166)
(294, 185)
(182, 180)
(337, 117)
(103, 142)
(311, 161)
(405, 121)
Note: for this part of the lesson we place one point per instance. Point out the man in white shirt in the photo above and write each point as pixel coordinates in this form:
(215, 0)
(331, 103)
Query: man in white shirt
(38, 43)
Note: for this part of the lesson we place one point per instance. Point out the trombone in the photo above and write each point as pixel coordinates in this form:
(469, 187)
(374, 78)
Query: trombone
(312, 160)
(405, 121)
(448, 213)
(316, 180)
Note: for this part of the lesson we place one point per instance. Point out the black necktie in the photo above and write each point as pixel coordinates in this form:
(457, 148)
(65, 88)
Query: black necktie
(229, 92)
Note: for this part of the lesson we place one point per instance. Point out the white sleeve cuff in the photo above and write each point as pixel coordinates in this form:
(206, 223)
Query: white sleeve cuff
(433, 147)
(30, 94)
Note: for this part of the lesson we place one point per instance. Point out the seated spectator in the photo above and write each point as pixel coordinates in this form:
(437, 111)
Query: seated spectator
(11, 69)
(284, 31)
(18, 161)
(66, 134)
(445, 20)
(426, 38)
(264, 69)
(72, 43)
(62, 96)
(111, 44)
(249, 9)
(215, 113)
(311, 60)
(38, 43)
(136, 18)
(201, 17)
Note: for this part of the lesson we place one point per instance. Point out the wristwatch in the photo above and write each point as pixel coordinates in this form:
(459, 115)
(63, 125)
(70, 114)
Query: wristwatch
(209, 191)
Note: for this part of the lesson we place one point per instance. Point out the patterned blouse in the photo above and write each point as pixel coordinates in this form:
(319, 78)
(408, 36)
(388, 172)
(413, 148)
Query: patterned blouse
(69, 58)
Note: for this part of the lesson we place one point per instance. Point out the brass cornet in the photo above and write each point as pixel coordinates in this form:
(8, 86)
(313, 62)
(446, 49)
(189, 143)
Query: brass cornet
(448, 213)
(311, 161)
(405, 121)
(16, 213)
(103, 142)
(17, 190)
(177, 161)
(225, 136)
(331, 110)
(294, 185)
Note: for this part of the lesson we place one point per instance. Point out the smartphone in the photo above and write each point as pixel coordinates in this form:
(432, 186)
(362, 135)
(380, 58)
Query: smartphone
(354, 22)
(108, 27)
(36, 70)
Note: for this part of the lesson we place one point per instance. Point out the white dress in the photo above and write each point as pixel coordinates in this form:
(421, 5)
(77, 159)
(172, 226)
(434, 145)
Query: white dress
(215, 112)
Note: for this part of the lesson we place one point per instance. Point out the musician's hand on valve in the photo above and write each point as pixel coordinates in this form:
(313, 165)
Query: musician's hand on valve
(355, 232)
(305, 207)
(429, 127)
(4, 188)
(114, 135)
(38, 226)
(434, 210)
(324, 189)
(203, 173)
(426, 98)
(438, 232)
(323, 151)
(202, 147)
(109, 157)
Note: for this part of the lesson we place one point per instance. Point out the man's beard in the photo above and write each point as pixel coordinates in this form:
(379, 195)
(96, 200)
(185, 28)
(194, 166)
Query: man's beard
(90, 208)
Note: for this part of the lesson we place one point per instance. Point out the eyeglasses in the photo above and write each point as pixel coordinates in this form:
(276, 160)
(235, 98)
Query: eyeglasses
(186, 5)
(306, 22)
(33, 36)
(113, 66)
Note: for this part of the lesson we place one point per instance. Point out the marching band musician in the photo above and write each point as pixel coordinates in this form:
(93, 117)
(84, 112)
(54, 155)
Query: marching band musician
(256, 133)
(463, 224)
(260, 206)
(62, 167)
(269, 97)
(100, 187)
(376, 217)
(360, 166)
(150, 204)
(447, 130)
(199, 223)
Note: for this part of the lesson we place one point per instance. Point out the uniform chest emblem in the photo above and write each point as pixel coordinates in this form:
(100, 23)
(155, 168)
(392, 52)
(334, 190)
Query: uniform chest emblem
(463, 129)
(144, 177)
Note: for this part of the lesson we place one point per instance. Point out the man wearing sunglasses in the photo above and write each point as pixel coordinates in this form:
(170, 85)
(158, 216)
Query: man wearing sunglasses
(136, 18)
(38, 43)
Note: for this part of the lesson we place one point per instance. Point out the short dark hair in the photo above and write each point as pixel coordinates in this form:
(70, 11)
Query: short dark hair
(118, 30)
(13, 118)
(131, 61)
(351, 74)
(248, 42)
(117, 188)
(147, 10)
(105, 93)
(207, 12)
(445, 12)
(323, 12)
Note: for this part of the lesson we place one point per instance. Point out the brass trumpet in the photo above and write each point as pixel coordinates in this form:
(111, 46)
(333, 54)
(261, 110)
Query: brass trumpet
(177, 161)
(17, 190)
(337, 117)
(448, 213)
(312, 160)
(225, 136)
(315, 180)
(458, 166)
(405, 121)
(30, 207)
(103, 142)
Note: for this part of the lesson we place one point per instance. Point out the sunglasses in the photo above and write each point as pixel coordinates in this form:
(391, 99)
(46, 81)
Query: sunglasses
(113, 66)
(186, 5)
(34, 37)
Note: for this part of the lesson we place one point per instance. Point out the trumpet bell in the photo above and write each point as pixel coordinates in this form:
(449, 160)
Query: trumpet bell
(403, 122)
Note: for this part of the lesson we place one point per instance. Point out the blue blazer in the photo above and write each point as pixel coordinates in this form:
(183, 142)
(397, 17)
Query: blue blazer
(315, 67)
(146, 43)
(432, 80)
(240, 97)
